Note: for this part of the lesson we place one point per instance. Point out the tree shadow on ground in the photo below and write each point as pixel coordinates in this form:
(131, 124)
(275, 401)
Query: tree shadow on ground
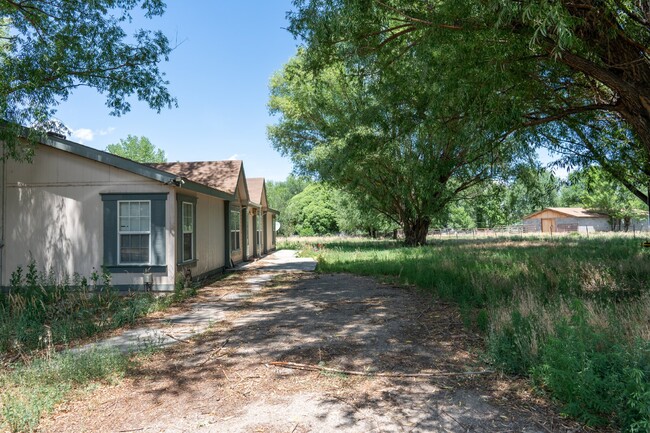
(343, 322)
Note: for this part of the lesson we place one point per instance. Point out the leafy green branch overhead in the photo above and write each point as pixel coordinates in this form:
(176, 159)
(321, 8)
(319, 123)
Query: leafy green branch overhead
(576, 74)
(49, 48)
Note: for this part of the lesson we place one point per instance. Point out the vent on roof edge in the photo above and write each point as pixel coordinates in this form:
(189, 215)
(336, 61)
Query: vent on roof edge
(56, 135)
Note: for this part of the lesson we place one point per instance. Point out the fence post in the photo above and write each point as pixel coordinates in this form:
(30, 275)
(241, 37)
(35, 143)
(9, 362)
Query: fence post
(587, 227)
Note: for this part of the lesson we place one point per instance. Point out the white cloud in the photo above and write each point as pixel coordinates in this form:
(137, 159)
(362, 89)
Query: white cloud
(106, 131)
(235, 156)
(86, 134)
(83, 134)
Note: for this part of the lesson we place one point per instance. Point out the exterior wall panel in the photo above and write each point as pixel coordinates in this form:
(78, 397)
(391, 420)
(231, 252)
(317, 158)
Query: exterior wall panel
(269, 232)
(54, 215)
(210, 244)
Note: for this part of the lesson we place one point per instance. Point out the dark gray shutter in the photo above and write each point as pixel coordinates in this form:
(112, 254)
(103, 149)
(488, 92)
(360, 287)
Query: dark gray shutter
(244, 230)
(179, 229)
(158, 238)
(110, 233)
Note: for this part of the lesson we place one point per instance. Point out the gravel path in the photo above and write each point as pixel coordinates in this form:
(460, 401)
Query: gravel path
(222, 380)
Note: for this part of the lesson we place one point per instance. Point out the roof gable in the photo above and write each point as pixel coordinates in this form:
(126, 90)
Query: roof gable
(576, 212)
(220, 175)
(257, 190)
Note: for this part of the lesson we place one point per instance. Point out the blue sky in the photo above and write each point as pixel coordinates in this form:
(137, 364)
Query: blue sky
(219, 73)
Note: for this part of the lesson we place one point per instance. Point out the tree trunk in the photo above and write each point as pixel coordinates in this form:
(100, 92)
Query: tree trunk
(415, 231)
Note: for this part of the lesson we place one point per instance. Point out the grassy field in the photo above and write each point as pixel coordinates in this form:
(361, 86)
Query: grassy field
(569, 312)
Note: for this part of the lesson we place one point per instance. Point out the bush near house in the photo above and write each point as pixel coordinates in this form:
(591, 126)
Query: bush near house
(42, 310)
(571, 313)
(42, 313)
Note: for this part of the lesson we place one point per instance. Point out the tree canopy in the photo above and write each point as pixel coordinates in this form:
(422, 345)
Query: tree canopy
(138, 149)
(279, 193)
(312, 211)
(576, 74)
(388, 136)
(49, 48)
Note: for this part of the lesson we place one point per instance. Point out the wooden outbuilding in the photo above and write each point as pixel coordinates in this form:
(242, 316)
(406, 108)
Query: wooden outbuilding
(566, 219)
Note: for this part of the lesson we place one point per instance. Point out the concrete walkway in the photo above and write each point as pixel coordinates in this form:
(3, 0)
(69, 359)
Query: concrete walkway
(174, 329)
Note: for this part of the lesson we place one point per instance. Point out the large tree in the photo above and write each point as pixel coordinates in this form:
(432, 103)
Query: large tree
(311, 212)
(386, 137)
(50, 47)
(138, 149)
(587, 64)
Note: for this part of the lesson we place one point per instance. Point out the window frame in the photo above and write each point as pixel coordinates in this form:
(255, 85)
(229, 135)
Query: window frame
(237, 230)
(141, 232)
(192, 206)
(258, 231)
(273, 220)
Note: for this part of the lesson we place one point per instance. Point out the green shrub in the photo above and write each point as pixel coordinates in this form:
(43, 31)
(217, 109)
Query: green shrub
(511, 347)
(596, 377)
(41, 311)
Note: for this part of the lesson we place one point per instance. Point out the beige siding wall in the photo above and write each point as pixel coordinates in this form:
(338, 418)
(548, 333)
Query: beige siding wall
(565, 223)
(269, 232)
(54, 214)
(210, 244)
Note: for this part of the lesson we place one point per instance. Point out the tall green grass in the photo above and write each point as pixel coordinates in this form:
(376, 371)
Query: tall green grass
(33, 389)
(570, 312)
(42, 311)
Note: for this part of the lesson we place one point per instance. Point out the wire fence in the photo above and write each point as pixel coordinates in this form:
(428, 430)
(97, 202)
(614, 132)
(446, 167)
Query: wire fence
(525, 230)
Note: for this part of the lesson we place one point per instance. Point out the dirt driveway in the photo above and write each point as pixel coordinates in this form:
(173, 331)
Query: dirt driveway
(222, 380)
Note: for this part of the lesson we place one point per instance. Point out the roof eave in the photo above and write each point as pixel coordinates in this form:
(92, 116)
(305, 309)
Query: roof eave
(203, 189)
(108, 159)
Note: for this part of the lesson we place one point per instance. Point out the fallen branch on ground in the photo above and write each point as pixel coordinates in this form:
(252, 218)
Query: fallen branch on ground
(177, 339)
(213, 354)
(308, 367)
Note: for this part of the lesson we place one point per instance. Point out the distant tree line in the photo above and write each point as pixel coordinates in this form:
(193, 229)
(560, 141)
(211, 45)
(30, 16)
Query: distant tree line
(310, 208)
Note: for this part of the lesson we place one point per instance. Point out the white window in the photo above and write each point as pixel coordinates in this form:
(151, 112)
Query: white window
(235, 230)
(188, 231)
(134, 232)
(259, 231)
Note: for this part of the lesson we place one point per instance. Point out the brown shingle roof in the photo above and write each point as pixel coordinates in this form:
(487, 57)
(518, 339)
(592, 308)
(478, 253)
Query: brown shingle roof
(221, 175)
(577, 212)
(255, 189)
